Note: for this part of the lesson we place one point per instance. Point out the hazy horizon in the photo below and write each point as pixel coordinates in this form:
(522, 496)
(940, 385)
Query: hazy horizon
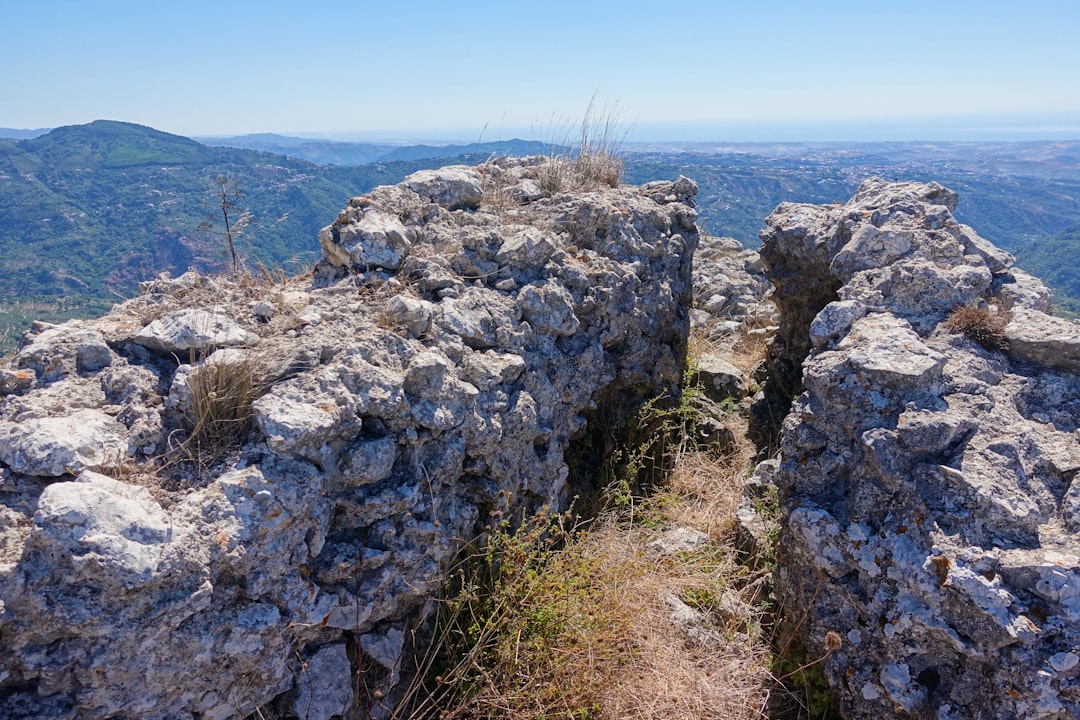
(719, 71)
(990, 129)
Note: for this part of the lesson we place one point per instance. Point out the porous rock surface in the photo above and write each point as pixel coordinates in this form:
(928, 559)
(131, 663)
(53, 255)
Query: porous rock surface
(928, 485)
(426, 379)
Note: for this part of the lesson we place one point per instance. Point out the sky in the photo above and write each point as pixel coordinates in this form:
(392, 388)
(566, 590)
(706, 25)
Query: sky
(468, 71)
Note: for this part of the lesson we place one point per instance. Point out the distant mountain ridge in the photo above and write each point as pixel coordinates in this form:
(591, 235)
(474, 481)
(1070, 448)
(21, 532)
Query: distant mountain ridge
(22, 134)
(88, 211)
(330, 152)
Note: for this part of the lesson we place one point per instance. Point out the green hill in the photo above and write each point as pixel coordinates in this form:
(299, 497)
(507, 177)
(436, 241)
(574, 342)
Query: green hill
(1057, 261)
(89, 211)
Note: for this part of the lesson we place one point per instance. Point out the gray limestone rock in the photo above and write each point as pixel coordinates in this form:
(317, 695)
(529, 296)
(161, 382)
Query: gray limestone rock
(926, 484)
(97, 525)
(56, 351)
(548, 307)
(529, 248)
(413, 313)
(55, 446)
(324, 685)
(720, 379)
(192, 331)
(1040, 338)
(376, 239)
(416, 392)
(1017, 289)
(453, 187)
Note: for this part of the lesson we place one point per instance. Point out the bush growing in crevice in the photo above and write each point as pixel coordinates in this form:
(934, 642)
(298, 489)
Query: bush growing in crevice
(981, 324)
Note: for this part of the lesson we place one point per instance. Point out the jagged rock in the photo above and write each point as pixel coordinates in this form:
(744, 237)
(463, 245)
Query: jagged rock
(1040, 338)
(453, 187)
(1017, 289)
(374, 240)
(55, 446)
(192, 331)
(96, 525)
(16, 381)
(405, 410)
(324, 687)
(926, 483)
(413, 313)
(678, 540)
(730, 290)
(720, 379)
(528, 248)
(56, 351)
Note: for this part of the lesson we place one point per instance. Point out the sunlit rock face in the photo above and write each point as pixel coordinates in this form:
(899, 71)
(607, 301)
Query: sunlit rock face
(927, 483)
(162, 558)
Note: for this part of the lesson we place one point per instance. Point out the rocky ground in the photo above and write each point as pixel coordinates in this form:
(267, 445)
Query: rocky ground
(255, 486)
(927, 472)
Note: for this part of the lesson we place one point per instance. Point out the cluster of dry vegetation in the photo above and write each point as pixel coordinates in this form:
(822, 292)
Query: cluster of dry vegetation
(593, 159)
(597, 613)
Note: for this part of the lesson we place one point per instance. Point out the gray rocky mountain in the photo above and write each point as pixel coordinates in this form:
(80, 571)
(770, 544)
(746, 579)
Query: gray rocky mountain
(227, 494)
(928, 479)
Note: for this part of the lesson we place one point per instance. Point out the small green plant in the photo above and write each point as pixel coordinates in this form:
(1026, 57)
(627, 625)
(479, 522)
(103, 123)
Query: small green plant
(806, 686)
(982, 325)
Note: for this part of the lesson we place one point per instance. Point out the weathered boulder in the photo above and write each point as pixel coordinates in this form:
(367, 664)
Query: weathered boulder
(927, 484)
(192, 331)
(454, 187)
(720, 380)
(55, 446)
(56, 351)
(384, 411)
(1037, 337)
(374, 240)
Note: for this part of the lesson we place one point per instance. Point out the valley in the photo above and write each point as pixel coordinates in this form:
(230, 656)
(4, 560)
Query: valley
(87, 212)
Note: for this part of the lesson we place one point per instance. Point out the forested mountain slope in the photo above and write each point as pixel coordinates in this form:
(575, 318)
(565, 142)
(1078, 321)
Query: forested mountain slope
(88, 211)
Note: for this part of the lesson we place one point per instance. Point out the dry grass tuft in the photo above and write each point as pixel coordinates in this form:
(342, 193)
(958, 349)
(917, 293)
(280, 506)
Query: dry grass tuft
(222, 394)
(223, 389)
(596, 160)
(981, 324)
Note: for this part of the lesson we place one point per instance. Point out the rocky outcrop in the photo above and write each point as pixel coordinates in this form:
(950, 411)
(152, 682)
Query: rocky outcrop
(929, 485)
(224, 495)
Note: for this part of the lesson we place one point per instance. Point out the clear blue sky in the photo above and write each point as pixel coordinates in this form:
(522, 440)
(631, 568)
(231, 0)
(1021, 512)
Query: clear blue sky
(448, 69)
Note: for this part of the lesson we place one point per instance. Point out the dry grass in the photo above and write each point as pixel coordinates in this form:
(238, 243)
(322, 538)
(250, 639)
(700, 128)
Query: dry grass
(223, 387)
(596, 160)
(709, 488)
(567, 624)
(745, 350)
(568, 621)
(222, 393)
(983, 325)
